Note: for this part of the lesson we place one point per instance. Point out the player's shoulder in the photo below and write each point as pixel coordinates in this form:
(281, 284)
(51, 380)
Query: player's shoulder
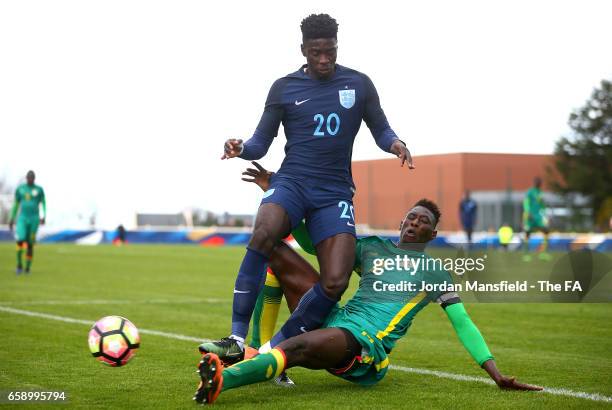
(343, 71)
(21, 188)
(298, 74)
(280, 83)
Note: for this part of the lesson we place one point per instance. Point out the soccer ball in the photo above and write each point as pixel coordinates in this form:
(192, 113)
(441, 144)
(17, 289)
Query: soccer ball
(113, 340)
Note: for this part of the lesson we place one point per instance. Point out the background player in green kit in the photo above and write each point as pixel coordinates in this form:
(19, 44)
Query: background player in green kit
(28, 200)
(356, 339)
(534, 219)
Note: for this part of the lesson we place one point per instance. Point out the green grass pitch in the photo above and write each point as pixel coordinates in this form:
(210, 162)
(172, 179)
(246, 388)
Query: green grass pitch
(187, 290)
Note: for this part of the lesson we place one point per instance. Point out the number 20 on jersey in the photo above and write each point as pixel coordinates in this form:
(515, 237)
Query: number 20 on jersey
(326, 126)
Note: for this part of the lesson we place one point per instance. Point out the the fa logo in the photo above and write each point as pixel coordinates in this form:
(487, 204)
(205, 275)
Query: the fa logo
(347, 98)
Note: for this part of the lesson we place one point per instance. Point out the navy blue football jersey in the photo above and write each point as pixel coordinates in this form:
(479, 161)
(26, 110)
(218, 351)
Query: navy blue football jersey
(321, 119)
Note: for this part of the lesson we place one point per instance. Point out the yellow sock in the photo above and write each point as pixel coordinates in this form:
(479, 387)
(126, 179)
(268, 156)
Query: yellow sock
(266, 311)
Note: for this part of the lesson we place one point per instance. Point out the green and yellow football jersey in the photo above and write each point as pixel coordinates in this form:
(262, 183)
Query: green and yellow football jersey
(28, 199)
(395, 285)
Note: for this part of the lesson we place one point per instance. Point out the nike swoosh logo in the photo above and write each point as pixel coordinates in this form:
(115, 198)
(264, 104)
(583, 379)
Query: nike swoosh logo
(301, 102)
(303, 330)
(242, 291)
(350, 224)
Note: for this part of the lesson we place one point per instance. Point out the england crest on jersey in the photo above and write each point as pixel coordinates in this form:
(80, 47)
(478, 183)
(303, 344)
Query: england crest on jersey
(347, 98)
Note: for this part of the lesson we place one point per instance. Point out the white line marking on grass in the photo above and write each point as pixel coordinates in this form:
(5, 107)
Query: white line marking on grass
(435, 373)
(466, 378)
(443, 375)
(91, 322)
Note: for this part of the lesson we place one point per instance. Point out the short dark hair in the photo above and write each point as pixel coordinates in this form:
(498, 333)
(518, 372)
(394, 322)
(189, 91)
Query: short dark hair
(319, 26)
(431, 205)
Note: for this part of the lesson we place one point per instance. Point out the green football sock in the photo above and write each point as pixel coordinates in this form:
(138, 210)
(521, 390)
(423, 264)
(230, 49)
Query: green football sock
(258, 369)
(28, 262)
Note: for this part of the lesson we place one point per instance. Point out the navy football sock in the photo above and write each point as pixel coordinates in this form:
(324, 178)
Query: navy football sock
(250, 280)
(310, 314)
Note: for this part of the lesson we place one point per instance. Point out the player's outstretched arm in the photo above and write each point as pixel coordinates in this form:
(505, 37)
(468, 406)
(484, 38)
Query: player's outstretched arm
(474, 343)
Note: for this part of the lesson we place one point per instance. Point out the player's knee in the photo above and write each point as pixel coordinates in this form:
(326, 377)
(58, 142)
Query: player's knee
(298, 350)
(335, 287)
(262, 240)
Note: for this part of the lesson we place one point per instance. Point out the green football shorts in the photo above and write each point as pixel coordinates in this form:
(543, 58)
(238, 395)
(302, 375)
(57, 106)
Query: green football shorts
(372, 365)
(534, 223)
(26, 230)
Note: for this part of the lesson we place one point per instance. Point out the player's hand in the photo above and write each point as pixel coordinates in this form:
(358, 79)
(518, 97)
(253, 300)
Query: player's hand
(259, 176)
(505, 382)
(399, 149)
(42, 221)
(11, 226)
(232, 148)
(511, 383)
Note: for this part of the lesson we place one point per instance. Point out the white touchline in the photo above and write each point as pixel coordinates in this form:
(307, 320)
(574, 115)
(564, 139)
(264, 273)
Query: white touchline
(435, 373)
(91, 322)
(466, 378)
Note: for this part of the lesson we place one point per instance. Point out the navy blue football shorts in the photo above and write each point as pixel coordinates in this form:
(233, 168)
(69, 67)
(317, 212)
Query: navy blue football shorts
(327, 208)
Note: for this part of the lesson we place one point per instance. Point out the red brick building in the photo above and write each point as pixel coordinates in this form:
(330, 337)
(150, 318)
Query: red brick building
(497, 182)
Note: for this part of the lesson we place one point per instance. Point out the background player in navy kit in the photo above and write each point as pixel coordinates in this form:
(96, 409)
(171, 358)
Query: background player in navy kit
(467, 213)
(321, 107)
